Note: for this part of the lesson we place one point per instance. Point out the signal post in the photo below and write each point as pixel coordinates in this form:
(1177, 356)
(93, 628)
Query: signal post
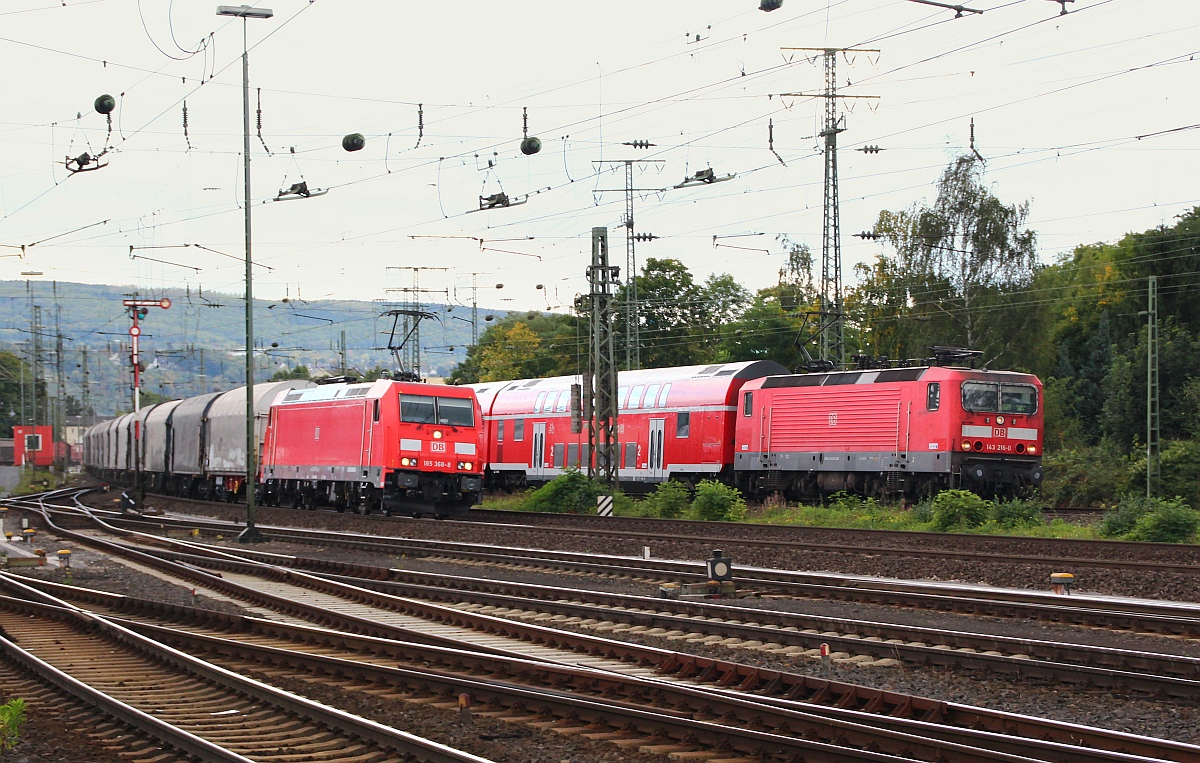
(138, 308)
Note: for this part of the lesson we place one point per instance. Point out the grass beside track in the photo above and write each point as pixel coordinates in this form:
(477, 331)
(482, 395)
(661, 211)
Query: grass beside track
(850, 514)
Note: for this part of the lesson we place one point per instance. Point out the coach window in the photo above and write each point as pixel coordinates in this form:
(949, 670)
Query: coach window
(635, 397)
(518, 430)
(651, 396)
(747, 403)
(683, 424)
(933, 396)
(456, 411)
(416, 409)
(541, 399)
(500, 430)
(622, 393)
(564, 399)
(662, 396)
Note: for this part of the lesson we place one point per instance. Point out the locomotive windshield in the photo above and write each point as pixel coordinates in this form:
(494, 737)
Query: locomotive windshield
(990, 397)
(447, 411)
(455, 411)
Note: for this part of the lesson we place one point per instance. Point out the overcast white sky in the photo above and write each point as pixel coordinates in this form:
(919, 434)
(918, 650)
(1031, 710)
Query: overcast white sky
(1061, 105)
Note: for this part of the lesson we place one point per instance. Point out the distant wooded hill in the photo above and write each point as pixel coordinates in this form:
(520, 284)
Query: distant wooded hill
(198, 344)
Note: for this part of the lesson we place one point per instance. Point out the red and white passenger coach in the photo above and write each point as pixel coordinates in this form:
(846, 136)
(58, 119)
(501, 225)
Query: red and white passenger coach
(673, 423)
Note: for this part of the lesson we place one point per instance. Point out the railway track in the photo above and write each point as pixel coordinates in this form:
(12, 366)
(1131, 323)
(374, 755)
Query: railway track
(198, 709)
(1053, 549)
(736, 626)
(629, 711)
(531, 610)
(733, 626)
(1106, 612)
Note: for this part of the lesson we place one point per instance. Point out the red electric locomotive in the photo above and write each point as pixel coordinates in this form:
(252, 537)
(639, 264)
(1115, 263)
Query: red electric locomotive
(905, 430)
(673, 423)
(400, 447)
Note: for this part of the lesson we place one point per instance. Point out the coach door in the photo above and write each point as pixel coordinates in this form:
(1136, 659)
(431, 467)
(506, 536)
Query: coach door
(537, 468)
(655, 462)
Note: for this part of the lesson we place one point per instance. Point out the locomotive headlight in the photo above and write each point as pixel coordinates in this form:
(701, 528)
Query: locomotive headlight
(468, 466)
(1031, 449)
(966, 445)
(407, 461)
(1000, 420)
(437, 435)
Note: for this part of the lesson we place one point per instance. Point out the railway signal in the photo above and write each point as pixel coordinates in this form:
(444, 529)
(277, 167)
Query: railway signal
(138, 309)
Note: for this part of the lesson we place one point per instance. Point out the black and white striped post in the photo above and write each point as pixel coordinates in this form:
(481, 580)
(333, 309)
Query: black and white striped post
(604, 505)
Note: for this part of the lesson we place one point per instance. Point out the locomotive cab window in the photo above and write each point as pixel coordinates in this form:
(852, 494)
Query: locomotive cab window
(417, 409)
(933, 396)
(455, 411)
(989, 397)
(1018, 398)
(747, 403)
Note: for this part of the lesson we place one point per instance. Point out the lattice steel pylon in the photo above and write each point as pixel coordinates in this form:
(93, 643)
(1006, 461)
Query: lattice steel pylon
(1152, 392)
(833, 335)
(633, 348)
(833, 327)
(600, 373)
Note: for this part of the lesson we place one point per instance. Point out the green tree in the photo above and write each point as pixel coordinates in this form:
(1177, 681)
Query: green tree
(284, 374)
(958, 274)
(556, 351)
(673, 326)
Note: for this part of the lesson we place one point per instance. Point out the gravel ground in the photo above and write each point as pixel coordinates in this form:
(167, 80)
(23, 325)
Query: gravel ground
(1143, 584)
(1166, 718)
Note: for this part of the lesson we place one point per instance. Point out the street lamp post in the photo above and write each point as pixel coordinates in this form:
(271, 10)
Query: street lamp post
(251, 533)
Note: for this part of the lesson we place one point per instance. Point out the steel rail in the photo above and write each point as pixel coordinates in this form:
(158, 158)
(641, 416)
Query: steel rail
(1173, 684)
(1083, 610)
(453, 671)
(681, 664)
(366, 730)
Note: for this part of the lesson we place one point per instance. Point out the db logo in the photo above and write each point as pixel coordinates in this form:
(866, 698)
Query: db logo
(999, 432)
(437, 447)
(833, 419)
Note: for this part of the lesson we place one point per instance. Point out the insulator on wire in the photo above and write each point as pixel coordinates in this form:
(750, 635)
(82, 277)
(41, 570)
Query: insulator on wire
(870, 149)
(639, 143)
(529, 146)
(354, 142)
(185, 126)
(105, 104)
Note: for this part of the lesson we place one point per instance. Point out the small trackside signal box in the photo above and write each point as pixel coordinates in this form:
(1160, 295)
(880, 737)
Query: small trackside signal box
(720, 567)
(1061, 582)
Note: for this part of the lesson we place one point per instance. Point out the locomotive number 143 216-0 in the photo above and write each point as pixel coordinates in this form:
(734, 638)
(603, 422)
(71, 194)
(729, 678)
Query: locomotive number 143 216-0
(436, 464)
